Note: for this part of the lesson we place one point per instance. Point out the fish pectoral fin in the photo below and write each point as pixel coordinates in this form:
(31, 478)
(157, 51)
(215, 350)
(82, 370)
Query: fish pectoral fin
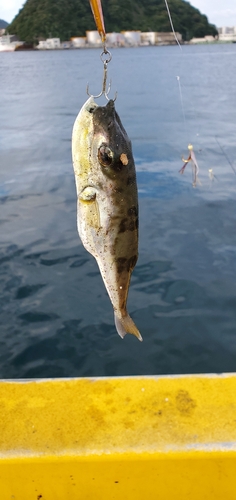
(88, 194)
(126, 325)
(90, 208)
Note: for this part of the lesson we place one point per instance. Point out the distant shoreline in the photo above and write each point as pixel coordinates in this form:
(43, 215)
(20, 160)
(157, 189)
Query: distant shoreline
(112, 47)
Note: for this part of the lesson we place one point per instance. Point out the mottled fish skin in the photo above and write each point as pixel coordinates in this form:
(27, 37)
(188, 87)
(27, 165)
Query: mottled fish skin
(107, 201)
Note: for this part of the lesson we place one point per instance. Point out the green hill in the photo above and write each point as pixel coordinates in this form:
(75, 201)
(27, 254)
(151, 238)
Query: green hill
(3, 24)
(66, 18)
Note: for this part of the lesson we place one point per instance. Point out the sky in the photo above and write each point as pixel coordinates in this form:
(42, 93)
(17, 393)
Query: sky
(219, 12)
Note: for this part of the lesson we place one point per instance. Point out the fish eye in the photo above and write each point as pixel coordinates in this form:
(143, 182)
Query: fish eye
(105, 155)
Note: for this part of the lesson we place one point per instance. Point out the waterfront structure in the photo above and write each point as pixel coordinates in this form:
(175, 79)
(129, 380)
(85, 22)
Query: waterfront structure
(163, 38)
(132, 38)
(205, 39)
(50, 43)
(148, 38)
(227, 34)
(9, 43)
(93, 38)
(115, 39)
(122, 39)
(78, 42)
(66, 45)
(160, 38)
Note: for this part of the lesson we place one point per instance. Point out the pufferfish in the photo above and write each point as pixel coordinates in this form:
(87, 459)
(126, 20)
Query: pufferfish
(107, 201)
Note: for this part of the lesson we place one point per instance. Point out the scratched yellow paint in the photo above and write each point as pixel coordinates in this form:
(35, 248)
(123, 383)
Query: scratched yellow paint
(154, 438)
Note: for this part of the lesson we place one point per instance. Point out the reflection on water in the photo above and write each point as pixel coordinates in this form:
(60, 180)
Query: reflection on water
(55, 317)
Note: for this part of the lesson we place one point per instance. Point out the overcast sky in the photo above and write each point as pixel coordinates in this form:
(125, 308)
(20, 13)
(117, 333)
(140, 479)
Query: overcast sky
(219, 12)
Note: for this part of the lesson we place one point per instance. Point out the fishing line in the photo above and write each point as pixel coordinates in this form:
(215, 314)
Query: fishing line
(192, 134)
(178, 77)
(171, 23)
(190, 147)
(105, 56)
(192, 156)
(182, 102)
(225, 155)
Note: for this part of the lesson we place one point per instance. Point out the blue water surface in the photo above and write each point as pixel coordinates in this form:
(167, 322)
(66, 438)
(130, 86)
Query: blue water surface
(56, 319)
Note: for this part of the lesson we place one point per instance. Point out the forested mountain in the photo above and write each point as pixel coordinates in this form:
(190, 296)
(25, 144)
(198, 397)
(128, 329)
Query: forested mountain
(3, 24)
(66, 18)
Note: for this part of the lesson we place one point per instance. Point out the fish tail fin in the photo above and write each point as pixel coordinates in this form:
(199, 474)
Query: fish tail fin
(124, 325)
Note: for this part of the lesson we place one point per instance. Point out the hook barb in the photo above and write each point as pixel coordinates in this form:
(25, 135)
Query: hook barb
(103, 92)
(91, 95)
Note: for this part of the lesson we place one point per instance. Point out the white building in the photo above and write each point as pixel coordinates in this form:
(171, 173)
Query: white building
(227, 34)
(205, 39)
(148, 38)
(42, 45)
(50, 43)
(115, 39)
(78, 42)
(132, 38)
(93, 38)
(53, 43)
(167, 38)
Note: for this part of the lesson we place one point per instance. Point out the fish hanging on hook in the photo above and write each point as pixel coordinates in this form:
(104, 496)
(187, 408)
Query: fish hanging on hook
(195, 166)
(107, 208)
(107, 212)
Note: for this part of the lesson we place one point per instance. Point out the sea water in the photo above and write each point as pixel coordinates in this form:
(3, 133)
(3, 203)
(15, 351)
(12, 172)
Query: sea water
(56, 319)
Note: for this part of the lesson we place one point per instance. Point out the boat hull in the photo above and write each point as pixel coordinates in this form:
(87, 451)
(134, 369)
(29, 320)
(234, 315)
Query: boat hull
(7, 48)
(159, 438)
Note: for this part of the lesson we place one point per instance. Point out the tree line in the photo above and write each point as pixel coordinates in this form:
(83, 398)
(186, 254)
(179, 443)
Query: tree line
(40, 19)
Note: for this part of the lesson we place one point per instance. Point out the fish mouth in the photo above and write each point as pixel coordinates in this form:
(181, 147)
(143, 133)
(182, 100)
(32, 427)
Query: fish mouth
(90, 105)
(105, 117)
(104, 114)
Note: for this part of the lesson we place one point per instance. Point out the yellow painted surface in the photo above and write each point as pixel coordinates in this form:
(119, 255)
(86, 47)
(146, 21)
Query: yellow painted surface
(149, 438)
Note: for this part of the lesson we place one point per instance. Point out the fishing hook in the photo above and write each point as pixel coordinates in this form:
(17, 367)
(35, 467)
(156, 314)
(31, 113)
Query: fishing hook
(104, 91)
